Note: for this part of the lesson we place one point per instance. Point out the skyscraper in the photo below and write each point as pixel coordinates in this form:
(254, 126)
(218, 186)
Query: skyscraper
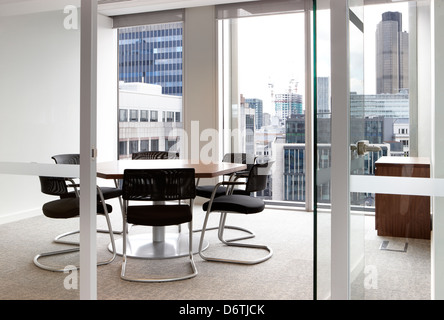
(391, 54)
(152, 54)
(287, 104)
(257, 105)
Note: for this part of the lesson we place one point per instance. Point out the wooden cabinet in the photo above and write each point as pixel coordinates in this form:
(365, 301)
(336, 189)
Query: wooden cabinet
(403, 215)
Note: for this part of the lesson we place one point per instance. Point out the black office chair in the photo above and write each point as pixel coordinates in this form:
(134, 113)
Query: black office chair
(67, 207)
(241, 204)
(155, 155)
(206, 191)
(105, 193)
(108, 192)
(161, 187)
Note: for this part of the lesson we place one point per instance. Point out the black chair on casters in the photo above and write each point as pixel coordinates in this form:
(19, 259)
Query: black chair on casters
(67, 207)
(160, 186)
(240, 204)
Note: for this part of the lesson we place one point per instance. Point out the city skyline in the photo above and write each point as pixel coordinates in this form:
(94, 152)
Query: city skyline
(288, 65)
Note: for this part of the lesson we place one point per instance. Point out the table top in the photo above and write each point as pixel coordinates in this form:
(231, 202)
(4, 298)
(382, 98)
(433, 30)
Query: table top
(404, 160)
(115, 169)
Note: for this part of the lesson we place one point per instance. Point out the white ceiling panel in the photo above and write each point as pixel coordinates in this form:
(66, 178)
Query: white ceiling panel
(118, 7)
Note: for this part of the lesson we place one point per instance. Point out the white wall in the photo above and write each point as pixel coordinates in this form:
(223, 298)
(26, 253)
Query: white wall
(39, 86)
(40, 112)
(200, 75)
(107, 87)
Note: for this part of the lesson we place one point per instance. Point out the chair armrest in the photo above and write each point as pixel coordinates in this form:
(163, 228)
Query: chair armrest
(71, 184)
(224, 183)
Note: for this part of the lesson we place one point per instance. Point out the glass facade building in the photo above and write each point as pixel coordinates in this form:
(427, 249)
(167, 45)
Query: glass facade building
(152, 54)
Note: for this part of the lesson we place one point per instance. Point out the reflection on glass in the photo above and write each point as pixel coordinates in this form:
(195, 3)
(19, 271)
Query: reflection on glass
(322, 151)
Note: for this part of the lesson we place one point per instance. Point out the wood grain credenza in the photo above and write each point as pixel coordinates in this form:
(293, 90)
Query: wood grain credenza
(403, 215)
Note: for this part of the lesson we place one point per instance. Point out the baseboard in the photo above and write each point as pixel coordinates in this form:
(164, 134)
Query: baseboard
(17, 216)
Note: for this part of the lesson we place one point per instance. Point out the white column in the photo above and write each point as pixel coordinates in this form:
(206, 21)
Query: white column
(200, 77)
(437, 146)
(309, 116)
(88, 105)
(340, 151)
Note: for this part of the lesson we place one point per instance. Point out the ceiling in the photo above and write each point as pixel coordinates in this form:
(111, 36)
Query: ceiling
(117, 7)
(106, 7)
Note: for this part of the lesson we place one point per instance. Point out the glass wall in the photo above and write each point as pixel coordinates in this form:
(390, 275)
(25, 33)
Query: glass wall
(39, 116)
(379, 109)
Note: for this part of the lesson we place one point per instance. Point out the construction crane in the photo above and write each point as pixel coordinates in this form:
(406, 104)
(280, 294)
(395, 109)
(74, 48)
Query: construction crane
(293, 86)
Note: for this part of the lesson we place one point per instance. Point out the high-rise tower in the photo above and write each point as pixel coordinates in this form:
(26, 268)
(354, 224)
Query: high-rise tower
(391, 54)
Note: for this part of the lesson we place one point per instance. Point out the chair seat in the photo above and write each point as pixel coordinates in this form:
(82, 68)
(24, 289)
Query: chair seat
(61, 208)
(68, 208)
(236, 204)
(159, 215)
(206, 191)
(110, 192)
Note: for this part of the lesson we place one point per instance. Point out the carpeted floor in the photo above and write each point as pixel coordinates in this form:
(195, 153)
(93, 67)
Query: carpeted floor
(288, 275)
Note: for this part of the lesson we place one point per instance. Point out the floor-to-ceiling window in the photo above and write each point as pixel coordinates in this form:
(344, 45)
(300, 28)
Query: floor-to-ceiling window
(150, 87)
(265, 93)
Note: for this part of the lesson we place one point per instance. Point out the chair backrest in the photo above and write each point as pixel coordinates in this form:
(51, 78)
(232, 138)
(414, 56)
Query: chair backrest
(257, 178)
(69, 158)
(243, 158)
(154, 155)
(159, 184)
(54, 186)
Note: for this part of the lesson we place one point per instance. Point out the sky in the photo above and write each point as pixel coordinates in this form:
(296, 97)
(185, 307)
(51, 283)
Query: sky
(271, 50)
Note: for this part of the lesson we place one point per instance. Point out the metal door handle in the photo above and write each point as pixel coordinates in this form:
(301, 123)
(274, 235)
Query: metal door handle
(362, 147)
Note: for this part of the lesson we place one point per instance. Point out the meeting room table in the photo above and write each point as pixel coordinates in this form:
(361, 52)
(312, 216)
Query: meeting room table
(161, 244)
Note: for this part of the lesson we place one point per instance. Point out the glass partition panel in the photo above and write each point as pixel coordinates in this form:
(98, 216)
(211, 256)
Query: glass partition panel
(322, 150)
(356, 82)
(40, 113)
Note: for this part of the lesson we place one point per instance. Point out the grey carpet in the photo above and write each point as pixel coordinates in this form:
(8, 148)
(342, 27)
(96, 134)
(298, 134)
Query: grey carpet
(288, 275)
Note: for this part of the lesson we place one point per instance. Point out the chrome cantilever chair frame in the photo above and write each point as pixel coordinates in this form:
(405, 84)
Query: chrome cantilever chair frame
(221, 229)
(180, 198)
(74, 158)
(240, 204)
(235, 157)
(59, 252)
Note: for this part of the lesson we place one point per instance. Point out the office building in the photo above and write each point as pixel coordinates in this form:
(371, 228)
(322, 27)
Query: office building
(148, 119)
(323, 94)
(152, 54)
(287, 104)
(379, 105)
(257, 105)
(391, 54)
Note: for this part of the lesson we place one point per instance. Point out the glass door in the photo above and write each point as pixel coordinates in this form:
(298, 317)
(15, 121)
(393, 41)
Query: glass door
(47, 89)
(376, 201)
(358, 148)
